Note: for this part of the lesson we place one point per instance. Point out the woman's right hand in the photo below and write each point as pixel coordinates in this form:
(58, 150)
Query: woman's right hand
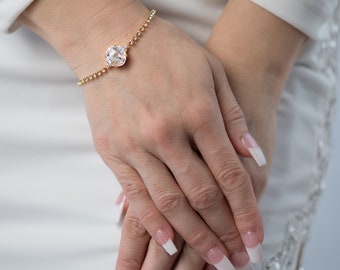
(157, 123)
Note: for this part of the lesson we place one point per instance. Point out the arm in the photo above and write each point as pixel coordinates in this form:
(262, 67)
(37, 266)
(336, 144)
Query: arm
(153, 119)
(257, 50)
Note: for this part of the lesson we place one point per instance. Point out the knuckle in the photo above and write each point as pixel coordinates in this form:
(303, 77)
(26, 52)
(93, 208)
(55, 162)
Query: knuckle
(232, 177)
(232, 239)
(159, 132)
(149, 216)
(134, 190)
(204, 197)
(134, 228)
(203, 113)
(197, 236)
(236, 115)
(170, 203)
(247, 215)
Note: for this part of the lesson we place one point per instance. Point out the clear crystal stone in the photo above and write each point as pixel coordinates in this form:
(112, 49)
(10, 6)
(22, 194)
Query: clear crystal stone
(116, 56)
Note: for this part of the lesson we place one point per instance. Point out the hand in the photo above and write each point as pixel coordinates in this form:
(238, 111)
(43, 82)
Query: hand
(160, 124)
(257, 61)
(153, 132)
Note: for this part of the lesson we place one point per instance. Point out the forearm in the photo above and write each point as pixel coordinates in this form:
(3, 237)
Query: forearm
(81, 30)
(256, 46)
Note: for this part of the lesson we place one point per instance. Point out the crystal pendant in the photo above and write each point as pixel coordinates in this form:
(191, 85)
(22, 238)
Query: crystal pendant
(116, 56)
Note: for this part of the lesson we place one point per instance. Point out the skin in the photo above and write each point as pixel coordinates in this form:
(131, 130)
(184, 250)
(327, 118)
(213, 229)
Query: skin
(257, 51)
(172, 139)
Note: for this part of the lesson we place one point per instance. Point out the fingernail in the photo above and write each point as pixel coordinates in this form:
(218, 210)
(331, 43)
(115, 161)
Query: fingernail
(219, 260)
(166, 242)
(119, 207)
(241, 261)
(248, 266)
(254, 149)
(253, 247)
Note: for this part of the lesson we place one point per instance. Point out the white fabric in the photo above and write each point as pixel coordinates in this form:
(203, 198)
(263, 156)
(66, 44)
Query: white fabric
(9, 11)
(57, 196)
(309, 16)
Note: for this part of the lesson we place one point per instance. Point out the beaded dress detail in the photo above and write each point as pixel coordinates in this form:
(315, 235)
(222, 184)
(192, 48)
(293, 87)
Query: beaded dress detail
(289, 257)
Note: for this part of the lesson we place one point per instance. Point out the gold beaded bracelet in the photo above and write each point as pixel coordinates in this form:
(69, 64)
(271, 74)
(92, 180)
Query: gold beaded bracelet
(116, 56)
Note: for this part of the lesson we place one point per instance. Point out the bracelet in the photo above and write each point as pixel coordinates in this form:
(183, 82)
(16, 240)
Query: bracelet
(116, 56)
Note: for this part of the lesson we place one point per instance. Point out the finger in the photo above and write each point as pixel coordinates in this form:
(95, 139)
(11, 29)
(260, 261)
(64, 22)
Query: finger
(133, 245)
(234, 119)
(174, 206)
(157, 258)
(189, 260)
(139, 200)
(204, 195)
(209, 267)
(221, 158)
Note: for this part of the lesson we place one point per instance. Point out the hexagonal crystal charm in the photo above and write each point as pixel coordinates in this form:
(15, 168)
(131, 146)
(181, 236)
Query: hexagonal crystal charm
(116, 56)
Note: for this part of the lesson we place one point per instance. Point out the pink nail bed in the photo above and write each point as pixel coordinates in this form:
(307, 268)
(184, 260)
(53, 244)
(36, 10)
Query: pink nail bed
(241, 261)
(163, 239)
(253, 246)
(219, 260)
(253, 148)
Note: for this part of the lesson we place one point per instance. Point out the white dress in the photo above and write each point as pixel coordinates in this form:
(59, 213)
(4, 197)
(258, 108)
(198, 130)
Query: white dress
(57, 196)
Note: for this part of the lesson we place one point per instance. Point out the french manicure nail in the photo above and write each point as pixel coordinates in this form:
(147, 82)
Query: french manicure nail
(254, 149)
(241, 261)
(219, 260)
(248, 266)
(166, 242)
(253, 247)
(119, 207)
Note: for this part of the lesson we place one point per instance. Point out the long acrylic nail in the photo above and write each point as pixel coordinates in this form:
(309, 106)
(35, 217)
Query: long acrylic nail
(241, 261)
(253, 246)
(254, 149)
(163, 239)
(119, 207)
(219, 260)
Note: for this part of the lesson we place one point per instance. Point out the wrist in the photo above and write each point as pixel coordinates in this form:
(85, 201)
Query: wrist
(248, 39)
(82, 30)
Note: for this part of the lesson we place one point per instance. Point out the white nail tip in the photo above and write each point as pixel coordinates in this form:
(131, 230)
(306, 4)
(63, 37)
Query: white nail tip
(170, 247)
(255, 254)
(248, 266)
(258, 155)
(119, 208)
(225, 264)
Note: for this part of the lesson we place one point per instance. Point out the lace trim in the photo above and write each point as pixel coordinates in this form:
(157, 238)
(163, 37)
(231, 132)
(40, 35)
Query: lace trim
(298, 226)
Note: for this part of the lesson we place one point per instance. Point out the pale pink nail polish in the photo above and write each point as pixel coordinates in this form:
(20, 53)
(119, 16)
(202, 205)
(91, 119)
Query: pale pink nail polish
(219, 260)
(163, 239)
(253, 246)
(241, 261)
(119, 207)
(256, 152)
